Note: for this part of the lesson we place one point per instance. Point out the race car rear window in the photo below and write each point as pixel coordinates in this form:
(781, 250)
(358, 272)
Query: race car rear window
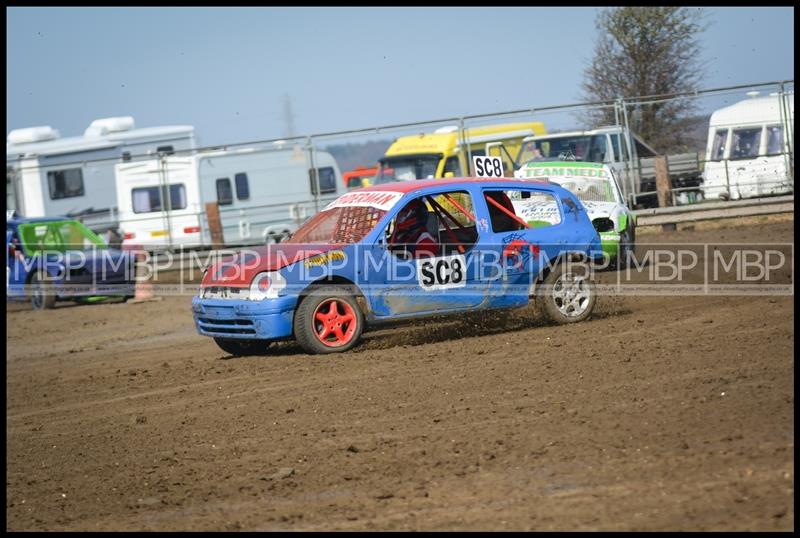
(537, 209)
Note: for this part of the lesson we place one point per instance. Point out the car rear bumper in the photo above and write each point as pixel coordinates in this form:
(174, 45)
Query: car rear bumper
(224, 318)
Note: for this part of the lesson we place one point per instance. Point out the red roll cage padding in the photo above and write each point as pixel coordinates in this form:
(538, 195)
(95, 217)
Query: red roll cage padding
(506, 211)
(439, 209)
(460, 207)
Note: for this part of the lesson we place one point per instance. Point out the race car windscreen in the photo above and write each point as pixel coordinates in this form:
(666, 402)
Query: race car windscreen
(339, 225)
(569, 148)
(58, 236)
(587, 189)
(407, 168)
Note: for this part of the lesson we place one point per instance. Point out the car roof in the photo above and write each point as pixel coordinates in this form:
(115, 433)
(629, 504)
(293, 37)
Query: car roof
(16, 221)
(415, 185)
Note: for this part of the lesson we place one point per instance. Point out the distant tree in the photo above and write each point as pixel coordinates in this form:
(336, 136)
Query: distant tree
(644, 51)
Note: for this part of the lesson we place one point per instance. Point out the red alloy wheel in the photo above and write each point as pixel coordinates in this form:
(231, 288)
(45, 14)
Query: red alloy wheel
(334, 323)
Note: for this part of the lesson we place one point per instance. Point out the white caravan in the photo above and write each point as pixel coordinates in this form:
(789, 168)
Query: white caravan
(47, 175)
(263, 195)
(750, 150)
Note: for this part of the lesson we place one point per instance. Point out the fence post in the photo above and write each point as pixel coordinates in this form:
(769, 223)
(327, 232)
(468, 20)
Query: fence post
(314, 173)
(632, 177)
(787, 148)
(214, 225)
(727, 180)
(663, 184)
(465, 148)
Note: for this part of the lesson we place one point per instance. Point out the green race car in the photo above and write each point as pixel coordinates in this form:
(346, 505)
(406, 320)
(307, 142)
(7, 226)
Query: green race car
(596, 187)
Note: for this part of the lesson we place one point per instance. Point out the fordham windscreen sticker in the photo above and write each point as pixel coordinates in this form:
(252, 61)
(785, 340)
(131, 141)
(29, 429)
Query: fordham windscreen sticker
(442, 273)
(379, 199)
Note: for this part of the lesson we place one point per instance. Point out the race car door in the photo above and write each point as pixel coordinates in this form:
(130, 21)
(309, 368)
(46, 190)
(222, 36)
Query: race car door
(426, 258)
(525, 230)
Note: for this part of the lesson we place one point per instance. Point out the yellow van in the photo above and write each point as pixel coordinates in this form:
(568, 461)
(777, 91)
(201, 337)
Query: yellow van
(440, 154)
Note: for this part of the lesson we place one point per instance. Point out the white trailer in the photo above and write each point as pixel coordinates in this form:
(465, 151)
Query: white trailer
(750, 149)
(47, 175)
(263, 195)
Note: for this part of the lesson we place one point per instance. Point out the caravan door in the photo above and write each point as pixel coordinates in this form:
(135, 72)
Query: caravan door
(159, 203)
(745, 161)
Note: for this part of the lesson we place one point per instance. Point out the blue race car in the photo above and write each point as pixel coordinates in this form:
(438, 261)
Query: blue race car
(404, 250)
(50, 259)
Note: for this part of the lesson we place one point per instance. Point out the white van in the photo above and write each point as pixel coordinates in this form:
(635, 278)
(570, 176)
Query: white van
(263, 195)
(748, 151)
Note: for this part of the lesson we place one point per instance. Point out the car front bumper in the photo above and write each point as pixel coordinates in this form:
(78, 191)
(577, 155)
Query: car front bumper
(609, 242)
(269, 319)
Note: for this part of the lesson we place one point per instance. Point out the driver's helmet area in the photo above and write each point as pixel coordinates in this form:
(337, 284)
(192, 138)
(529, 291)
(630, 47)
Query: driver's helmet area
(415, 230)
(12, 242)
(438, 224)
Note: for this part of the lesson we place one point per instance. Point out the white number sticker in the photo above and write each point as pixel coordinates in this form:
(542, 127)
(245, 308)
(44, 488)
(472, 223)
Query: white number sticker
(442, 273)
(488, 166)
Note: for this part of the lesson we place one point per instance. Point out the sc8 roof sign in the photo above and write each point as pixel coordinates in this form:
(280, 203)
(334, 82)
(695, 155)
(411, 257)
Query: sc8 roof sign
(486, 166)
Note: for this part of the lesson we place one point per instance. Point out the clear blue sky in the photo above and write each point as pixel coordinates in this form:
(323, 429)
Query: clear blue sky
(226, 70)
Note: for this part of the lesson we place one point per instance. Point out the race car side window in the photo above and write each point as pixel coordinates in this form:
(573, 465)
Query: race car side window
(439, 225)
(535, 209)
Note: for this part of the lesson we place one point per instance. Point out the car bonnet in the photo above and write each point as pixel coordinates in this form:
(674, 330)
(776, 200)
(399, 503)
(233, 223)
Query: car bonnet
(239, 269)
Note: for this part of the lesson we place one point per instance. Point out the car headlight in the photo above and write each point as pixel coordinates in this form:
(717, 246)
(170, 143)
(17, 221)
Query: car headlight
(266, 285)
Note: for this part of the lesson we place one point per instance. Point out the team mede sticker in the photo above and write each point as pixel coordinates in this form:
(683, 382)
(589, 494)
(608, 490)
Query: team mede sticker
(487, 166)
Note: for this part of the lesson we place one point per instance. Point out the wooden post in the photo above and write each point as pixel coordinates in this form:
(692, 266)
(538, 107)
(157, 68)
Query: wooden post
(663, 184)
(214, 225)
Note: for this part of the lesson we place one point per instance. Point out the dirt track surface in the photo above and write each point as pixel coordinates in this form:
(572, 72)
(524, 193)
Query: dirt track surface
(659, 413)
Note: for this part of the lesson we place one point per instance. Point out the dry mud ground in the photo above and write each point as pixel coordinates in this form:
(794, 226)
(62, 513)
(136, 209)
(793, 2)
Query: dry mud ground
(659, 413)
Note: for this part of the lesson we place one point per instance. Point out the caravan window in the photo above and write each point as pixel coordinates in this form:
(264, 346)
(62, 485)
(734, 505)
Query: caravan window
(745, 143)
(242, 188)
(774, 140)
(65, 183)
(149, 199)
(224, 191)
(720, 142)
(327, 180)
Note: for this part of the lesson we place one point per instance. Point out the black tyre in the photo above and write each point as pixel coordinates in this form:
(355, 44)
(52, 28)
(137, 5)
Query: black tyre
(626, 249)
(566, 297)
(328, 320)
(41, 297)
(242, 348)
